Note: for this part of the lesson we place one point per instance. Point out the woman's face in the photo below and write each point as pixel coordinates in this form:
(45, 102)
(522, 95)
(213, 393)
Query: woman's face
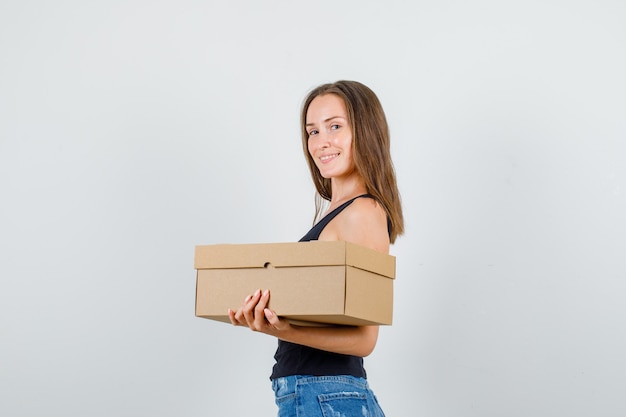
(330, 136)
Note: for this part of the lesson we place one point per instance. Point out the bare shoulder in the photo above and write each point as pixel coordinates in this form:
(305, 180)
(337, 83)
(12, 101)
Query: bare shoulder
(363, 222)
(366, 210)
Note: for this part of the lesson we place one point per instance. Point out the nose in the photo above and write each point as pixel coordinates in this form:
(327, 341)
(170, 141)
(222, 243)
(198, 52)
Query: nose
(319, 142)
(323, 140)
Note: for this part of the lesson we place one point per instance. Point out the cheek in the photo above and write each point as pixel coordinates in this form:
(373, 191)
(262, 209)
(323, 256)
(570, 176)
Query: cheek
(348, 150)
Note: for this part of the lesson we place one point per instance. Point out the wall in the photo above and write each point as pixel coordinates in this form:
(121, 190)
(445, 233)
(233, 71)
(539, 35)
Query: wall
(131, 131)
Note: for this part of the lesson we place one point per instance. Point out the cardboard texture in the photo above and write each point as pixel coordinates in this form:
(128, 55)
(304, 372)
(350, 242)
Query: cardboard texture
(310, 283)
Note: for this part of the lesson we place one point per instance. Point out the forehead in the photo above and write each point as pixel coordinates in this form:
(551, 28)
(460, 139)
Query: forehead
(326, 106)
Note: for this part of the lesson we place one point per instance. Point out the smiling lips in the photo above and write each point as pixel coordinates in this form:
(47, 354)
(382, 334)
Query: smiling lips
(327, 158)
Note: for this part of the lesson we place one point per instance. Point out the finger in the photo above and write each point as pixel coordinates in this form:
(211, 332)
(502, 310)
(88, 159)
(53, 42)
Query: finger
(275, 321)
(271, 317)
(248, 308)
(259, 316)
(231, 316)
(237, 316)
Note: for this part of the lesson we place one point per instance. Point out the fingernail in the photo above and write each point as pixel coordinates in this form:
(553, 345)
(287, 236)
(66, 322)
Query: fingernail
(266, 293)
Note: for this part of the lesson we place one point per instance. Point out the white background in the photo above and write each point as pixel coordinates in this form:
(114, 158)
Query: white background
(131, 131)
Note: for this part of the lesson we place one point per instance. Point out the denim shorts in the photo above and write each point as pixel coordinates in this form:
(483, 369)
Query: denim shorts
(325, 396)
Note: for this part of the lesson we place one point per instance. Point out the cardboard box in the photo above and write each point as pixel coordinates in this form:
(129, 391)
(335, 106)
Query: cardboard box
(309, 282)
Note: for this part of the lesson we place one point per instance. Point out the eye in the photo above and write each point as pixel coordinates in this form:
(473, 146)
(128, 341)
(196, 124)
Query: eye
(334, 127)
(313, 132)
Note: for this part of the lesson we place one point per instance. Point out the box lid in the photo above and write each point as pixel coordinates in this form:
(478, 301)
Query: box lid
(295, 254)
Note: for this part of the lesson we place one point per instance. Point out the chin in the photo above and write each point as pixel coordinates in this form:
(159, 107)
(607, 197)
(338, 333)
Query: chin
(328, 174)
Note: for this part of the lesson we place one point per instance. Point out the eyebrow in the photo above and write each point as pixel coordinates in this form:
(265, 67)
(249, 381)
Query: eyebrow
(327, 120)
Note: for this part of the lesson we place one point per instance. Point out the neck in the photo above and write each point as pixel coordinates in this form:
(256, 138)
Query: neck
(343, 189)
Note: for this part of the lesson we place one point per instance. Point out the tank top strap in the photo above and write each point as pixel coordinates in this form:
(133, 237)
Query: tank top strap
(315, 232)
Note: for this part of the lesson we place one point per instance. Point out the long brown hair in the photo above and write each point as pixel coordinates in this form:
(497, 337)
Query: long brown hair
(370, 141)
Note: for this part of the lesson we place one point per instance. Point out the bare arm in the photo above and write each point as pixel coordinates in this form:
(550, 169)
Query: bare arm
(363, 223)
(347, 340)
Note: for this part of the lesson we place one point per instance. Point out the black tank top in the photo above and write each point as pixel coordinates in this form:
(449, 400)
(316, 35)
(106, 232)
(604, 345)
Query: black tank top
(294, 359)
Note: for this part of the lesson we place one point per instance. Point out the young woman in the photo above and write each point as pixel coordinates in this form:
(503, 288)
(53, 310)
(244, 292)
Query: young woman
(319, 370)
